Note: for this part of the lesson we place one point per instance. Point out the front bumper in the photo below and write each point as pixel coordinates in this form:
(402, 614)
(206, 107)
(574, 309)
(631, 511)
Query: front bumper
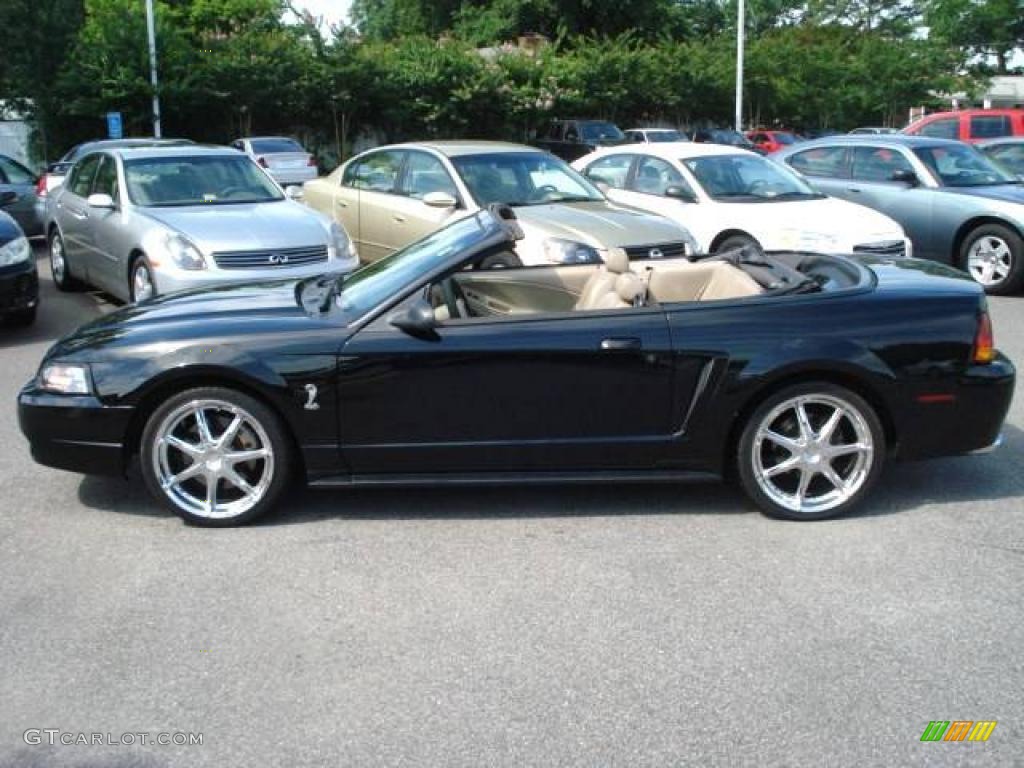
(19, 287)
(964, 416)
(74, 432)
(171, 280)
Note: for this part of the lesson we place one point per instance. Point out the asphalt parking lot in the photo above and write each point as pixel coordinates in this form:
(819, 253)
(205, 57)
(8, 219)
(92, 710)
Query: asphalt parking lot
(633, 626)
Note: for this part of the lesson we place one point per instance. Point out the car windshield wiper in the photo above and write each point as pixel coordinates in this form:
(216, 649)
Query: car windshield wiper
(797, 196)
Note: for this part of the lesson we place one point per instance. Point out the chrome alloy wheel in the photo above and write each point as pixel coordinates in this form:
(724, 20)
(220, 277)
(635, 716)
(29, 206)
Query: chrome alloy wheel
(212, 459)
(812, 453)
(57, 263)
(142, 282)
(989, 260)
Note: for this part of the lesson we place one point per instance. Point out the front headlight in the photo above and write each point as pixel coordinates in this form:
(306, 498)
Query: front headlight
(15, 252)
(569, 252)
(340, 242)
(184, 253)
(66, 379)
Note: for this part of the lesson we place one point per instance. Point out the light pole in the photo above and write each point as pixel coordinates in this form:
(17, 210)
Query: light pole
(740, 34)
(151, 29)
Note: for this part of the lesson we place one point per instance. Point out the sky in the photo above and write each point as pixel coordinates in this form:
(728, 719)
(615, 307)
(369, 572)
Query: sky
(332, 11)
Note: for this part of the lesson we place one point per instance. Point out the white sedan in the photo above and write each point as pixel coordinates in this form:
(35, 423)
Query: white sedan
(729, 197)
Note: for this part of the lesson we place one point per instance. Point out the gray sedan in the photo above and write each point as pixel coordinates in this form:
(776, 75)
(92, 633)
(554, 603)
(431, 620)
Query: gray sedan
(1008, 152)
(142, 222)
(955, 204)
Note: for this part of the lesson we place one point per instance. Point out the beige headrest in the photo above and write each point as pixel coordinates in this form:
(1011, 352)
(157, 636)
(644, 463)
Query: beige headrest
(617, 260)
(628, 286)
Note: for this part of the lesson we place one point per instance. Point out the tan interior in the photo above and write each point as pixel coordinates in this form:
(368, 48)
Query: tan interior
(588, 287)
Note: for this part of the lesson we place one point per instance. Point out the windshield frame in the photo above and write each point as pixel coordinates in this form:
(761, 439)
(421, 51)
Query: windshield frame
(1003, 176)
(275, 193)
(803, 191)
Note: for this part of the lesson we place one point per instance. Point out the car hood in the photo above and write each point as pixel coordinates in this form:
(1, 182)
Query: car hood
(1007, 193)
(222, 314)
(245, 227)
(599, 224)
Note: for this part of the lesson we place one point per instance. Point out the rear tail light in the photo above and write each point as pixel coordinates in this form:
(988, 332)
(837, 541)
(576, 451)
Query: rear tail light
(41, 186)
(311, 162)
(262, 161)
(984, 341)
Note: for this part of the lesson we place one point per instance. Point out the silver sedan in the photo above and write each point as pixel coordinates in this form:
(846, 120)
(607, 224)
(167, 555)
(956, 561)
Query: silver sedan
(955, 204)
(142, 222)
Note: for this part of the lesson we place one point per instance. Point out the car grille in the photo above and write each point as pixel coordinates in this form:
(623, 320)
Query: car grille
(884, 248)
(659, 251)
(271, 259)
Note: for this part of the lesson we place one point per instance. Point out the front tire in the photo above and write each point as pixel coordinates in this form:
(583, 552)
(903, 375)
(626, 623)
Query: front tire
(810, 452)
(60, 269)
(141, 285)
(216, 457)
(993, 254)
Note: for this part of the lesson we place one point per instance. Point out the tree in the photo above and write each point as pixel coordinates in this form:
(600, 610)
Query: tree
(980, 28)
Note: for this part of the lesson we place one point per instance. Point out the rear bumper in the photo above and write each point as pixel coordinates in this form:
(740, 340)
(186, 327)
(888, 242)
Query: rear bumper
(964, 416)
(19, 287)
(293, 175)
(74, 432)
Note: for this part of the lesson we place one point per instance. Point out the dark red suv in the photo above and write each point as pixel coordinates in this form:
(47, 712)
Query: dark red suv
(970, 124)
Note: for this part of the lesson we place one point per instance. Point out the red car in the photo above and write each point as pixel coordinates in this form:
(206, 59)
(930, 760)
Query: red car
(772, 141)
(970, 124)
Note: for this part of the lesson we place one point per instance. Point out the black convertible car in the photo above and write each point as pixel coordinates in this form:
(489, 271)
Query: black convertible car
(798, 373)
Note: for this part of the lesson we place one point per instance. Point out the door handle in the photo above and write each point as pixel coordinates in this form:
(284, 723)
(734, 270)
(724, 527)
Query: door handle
(621, 344)
(399, 218)
(341, 203)
(854, 189)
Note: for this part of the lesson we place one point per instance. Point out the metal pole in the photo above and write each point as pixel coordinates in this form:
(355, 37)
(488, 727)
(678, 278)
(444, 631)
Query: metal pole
(151, 29)
(740, 35)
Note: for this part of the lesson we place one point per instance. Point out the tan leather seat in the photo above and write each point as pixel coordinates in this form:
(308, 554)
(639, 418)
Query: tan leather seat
(703, 281)
(612, 286)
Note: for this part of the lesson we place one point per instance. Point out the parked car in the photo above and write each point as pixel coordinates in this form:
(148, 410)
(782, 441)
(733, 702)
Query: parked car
(956, 205)
(873, 130)
(804, 373)
(969, 124)
(19, 281)
(729, 198)
(772, 141)
(56, 172)
(726, 137)
(1009, 153)
(284, 158)
(391, 196)
(653, 135)
(24, 208)
(142, 222)
(569, 139)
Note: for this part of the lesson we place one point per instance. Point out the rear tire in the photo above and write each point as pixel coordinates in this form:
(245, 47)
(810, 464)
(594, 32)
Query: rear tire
(226, 468)
(810, 452)
(993, 254)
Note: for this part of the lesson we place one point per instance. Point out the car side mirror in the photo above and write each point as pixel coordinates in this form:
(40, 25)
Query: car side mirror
(677, 192)
(294, 192)
(905, 176)
(417, 320)
(8, 197)
(101, 200)
(439, 200)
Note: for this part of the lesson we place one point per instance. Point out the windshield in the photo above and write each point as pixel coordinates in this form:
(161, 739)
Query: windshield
(747, 178)
(272, 146)
(731, 138)
(214, 180)
(523, 178)
(370, 286)
(664, 136)
(961, 165)
(601, 132)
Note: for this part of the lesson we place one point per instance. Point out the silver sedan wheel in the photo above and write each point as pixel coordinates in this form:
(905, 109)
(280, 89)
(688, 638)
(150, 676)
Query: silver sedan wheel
(142, 282)
(213, 459)
(57, 263)
(989, 260)
(812, 453)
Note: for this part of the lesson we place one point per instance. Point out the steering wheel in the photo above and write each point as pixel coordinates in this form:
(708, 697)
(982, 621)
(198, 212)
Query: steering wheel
(541, 193)
(758, 184)
(229, 191)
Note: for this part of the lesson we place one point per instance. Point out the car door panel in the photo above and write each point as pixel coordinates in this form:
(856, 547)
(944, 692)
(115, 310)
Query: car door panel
(545, 392)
